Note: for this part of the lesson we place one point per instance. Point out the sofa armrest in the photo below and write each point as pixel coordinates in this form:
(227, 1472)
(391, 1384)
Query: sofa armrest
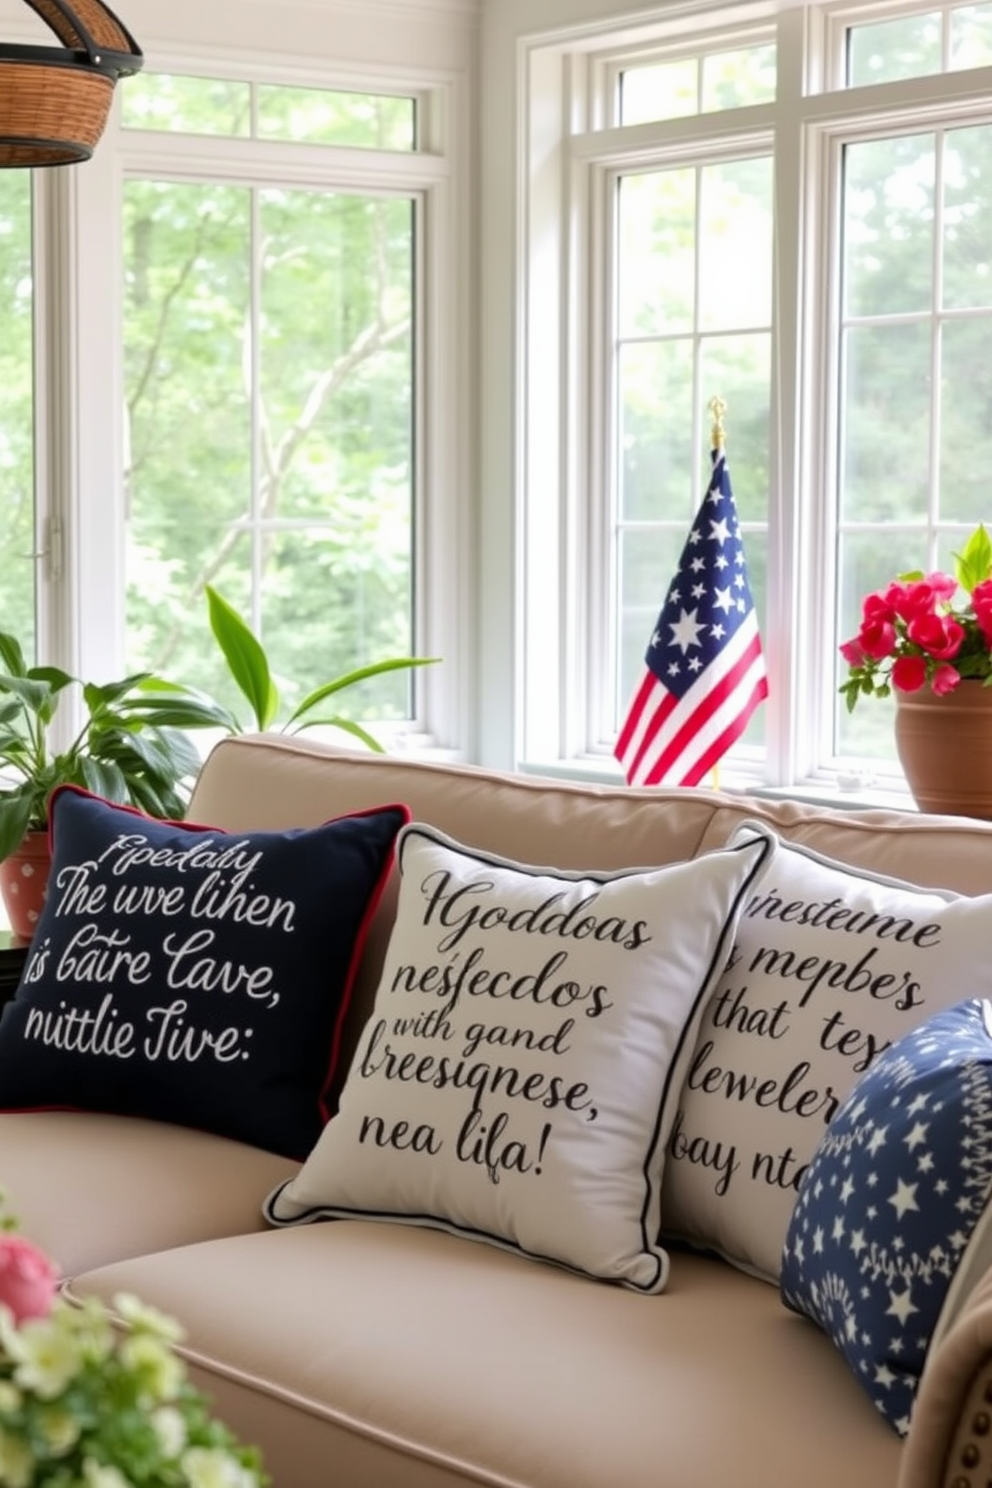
(950, 1440)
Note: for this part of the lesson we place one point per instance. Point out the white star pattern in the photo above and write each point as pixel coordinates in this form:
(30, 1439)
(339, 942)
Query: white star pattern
(685, 631)
(917, 1129)
(904, 1197)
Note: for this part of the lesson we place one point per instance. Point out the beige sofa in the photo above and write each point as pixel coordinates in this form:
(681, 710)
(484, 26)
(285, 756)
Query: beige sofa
(383, 1355)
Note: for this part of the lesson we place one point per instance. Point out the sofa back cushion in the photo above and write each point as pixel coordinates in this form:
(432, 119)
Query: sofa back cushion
(275, 781)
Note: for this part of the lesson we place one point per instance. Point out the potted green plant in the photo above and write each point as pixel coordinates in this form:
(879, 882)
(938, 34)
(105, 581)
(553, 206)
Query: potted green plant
(132, 746)
(248, 665)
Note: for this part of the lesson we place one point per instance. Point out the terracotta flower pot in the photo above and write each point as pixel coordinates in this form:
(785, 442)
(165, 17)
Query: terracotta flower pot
(23, 882)
(945, 748)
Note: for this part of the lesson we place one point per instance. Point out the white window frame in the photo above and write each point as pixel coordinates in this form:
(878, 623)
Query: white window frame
(79, 373)
(565, 78)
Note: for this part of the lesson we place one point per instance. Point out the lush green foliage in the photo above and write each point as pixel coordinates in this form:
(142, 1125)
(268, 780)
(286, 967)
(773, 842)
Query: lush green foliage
(132, 747)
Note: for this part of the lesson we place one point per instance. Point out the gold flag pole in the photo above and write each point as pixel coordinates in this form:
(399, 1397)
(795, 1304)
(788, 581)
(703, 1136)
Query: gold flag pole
(717, 408)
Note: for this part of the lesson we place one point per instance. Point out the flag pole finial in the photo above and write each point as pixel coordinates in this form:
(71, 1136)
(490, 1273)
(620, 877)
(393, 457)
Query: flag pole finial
(717, 408)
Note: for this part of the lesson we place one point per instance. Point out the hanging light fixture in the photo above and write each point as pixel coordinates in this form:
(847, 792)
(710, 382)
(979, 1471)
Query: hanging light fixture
(54, 101)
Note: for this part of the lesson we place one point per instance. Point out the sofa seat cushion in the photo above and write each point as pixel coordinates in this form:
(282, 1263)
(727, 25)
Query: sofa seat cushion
(90, 1189)
(411, 1358)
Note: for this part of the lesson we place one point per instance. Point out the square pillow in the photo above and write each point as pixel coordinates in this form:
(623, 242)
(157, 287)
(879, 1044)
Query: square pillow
(518, 1076)
(892, 1227)
(831, 965)
(191, 975)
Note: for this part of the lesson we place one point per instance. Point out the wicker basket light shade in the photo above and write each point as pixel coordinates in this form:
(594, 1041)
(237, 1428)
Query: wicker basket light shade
(54, 101)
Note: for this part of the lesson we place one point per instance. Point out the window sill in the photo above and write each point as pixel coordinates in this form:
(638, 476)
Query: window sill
(857, 796)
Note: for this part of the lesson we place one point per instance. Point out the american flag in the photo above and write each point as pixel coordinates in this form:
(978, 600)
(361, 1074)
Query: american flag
(705, 670)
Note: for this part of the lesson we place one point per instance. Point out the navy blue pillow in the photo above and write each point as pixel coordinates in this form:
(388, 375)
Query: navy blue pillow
(891, 1225)
(191, 975)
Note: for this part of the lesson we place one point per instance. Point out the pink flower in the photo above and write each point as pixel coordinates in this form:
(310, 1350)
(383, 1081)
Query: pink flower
(852, 652)
(982, 605)
(945, 679)
(878, 606)
(909, 673)
(877, 639)
(27, 1278)
(937, 635)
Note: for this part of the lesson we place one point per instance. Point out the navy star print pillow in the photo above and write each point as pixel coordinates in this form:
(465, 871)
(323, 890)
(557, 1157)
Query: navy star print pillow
(891, 1221)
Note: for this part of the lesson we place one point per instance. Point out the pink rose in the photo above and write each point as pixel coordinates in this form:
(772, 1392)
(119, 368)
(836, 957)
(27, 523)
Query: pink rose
(944, 587)
(852, 653)
(921, 596)
(941, 638)
(944, 679)
(877, 607)
(909, 673)
(877, 639)
(27, 1278)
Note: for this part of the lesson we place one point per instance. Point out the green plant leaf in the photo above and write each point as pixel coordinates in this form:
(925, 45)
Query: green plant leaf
(166, 704)
(104, 778)
(245, 657)
(973, 565)
(348, 679)
(347, 724)
(17, 813)
(11, 654)
(36, 695)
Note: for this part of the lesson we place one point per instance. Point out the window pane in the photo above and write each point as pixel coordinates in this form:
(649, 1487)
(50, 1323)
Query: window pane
(321, 117)
(186, 105)
(662, 90)
(966, 419)
(657, 274)
(967, 234)
(708, 83)
(888, 219)
(187, 295)
(885, 51)
(739, 370)
(735, 79)
(16, 410)
(885, 423)
(735, 244)
(655, 383)
(269, 353)
(971, 36)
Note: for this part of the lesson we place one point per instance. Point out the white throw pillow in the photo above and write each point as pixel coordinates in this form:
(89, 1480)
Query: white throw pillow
(519, 1074)
(830, 966)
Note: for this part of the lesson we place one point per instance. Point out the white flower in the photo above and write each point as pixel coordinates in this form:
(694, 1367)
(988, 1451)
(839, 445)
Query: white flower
(170, 1428)
(16, 1461)
(11, 1398)
(161, 1373)
(90, 1327)
(60, 1430)
(45, 1356)
(211, 1467)
(144, 1319)
(102, 1475)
